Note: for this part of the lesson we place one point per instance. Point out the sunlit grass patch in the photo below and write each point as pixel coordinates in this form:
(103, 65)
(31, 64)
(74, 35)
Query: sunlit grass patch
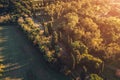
(8, 78)
(1, 28)
(1, 67)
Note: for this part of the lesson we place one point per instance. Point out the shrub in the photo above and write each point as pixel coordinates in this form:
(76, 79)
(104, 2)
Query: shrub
(1, 69)
(95, 77)
(49, 56)
(93, 64)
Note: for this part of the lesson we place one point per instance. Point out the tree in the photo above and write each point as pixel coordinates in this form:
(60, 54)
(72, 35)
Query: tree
(73, 61)
(72, 19)
(1, 67)
(77, 49)
(60, 36)
(92, 37)
(93, 64)
(46, 32)
(49, 56)
(50, 29)
(54, 40)
(95, 77)
(112, 50)
(110, 29)
(77, 45)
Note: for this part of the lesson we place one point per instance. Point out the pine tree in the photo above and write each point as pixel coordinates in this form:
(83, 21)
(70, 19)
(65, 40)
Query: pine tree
(54, 39)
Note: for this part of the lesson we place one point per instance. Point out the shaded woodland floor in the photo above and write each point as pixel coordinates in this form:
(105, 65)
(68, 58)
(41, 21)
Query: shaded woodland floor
(22, 60)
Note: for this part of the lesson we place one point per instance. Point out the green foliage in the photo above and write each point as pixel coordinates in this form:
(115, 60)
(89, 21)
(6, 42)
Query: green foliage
(92, 64)
(49, 56)
(72, 19)
(73, 61)
(15, 9)
(19, 7)
(1, 67)
(46, 32)
(110, 28)
(112, 50)
(50, 30)
(5, 19)
(84, 21)
(57, 49)
(79, 46)
(95, 77)
(92, 36)
(54, 39)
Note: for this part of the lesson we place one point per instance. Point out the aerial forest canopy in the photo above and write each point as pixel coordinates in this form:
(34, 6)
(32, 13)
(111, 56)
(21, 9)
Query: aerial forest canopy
(85, 27)
(87, 22)
(11, 10)
(81, 38)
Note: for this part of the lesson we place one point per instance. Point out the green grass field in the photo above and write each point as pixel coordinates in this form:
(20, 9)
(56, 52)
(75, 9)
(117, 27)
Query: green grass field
(22, 60)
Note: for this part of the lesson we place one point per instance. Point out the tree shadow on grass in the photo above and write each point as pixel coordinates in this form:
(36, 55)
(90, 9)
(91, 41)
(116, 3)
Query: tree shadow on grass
(22, 60)
(12, 50)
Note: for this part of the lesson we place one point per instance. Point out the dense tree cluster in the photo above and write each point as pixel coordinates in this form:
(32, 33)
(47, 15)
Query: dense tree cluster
(84, 28)
(78, 39)
(14, 9)
(80, 21)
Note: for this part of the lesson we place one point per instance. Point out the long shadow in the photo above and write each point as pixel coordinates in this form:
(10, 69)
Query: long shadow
(13, 49)
(22, 60)
(12, 53)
